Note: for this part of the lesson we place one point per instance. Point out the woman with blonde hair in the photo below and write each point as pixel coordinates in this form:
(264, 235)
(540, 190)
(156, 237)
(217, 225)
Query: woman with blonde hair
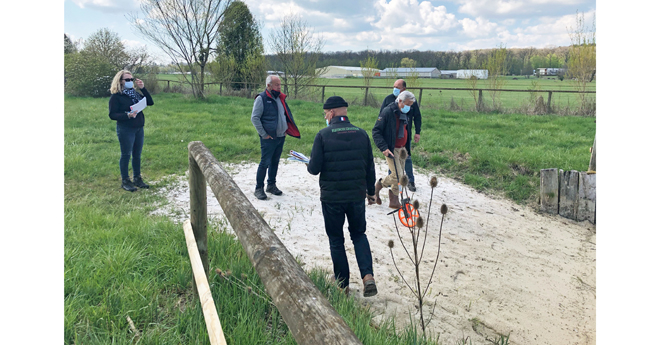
(130, 125)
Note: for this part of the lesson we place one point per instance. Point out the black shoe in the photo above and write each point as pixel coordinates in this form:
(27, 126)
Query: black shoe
(411, 186)
(272, 189)
(128, 185)
(259, 193)
(137, 181)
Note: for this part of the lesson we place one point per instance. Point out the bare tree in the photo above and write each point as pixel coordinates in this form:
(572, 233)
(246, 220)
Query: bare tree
(298, 50)
(497, 67)
(186, 30)
(582, 57)
(369, 68)
(412, 78)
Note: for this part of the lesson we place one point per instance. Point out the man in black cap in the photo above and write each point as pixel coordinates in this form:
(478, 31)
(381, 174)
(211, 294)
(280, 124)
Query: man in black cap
(414, 117)
(342, 155)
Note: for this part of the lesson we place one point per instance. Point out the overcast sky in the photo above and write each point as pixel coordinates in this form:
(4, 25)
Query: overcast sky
(389, 25)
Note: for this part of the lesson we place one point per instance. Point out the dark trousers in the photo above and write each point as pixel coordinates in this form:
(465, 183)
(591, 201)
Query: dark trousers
(408, 168)
(131, 140)
(271, 150)
(333, 215)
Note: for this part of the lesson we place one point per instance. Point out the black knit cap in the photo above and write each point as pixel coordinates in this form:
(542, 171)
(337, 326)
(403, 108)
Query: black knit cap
(334, 102)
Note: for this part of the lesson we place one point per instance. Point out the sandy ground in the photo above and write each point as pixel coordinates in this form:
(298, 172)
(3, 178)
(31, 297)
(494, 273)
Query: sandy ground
(503, 267)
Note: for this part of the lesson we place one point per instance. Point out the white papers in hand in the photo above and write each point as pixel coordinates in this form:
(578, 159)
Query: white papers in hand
(139, 106)
(298, 157)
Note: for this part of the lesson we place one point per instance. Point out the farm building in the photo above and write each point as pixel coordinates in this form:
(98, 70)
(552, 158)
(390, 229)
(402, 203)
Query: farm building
(343, 72)
(550, 71)
(448, 74)
(467, 73)
(422, 72)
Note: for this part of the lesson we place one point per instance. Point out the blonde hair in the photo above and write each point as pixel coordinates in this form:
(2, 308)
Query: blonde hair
(116, 87)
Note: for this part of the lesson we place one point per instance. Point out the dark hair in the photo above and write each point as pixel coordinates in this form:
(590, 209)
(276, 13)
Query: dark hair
(404, 84)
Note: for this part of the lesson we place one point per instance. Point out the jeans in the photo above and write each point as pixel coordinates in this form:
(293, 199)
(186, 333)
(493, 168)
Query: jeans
(333, 215)
(271, 150)
(408, 168)
(131, 140)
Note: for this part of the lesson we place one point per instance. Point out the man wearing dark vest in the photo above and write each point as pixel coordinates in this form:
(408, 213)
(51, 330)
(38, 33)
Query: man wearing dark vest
(414, 117)
(342, 155)
(273, 120)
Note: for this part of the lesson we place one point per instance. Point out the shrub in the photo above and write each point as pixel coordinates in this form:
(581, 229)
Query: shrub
(87, 75)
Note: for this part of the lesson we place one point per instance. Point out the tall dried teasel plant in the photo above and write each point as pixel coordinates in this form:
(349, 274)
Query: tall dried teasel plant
(415, 231)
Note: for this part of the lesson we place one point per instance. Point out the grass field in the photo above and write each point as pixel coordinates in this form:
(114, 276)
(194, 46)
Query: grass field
(121, 261)
(563, 103)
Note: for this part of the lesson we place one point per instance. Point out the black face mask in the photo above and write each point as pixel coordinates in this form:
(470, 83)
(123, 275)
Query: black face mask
(276, 94)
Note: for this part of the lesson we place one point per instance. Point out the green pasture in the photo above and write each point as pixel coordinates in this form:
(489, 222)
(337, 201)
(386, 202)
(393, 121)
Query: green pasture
(510, 102)
(120, 260)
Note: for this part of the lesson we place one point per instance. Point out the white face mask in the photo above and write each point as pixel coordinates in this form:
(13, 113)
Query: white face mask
(128, 85)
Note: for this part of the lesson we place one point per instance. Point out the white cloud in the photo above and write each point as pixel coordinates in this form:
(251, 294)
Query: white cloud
(403, 17)
(111, 6)
(477, 28)
(490, 8)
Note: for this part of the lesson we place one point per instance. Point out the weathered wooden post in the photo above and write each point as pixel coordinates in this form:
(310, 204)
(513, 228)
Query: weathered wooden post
(307, 313)
(323, 94)
(481, 99)
(592, 161)
(586, 209)
(568, 193)
(550, 191)
(198, 220)
(419, 101)
(548, 106)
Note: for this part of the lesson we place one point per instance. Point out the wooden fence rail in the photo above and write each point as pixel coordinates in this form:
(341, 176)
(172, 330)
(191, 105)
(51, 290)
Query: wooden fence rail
(421, 90)
(308, 314)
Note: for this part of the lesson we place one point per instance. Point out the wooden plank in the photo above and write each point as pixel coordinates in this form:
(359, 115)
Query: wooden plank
(586, 209)
(592, 161)
(568, 194)
(307, 313)
(216, 336)
(549, 191)
(198, 217)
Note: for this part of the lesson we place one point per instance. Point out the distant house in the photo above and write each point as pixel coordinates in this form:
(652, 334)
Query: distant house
(342, 72)
(422, 72)
(277, 73)
(448, 74)
(550, 71)
(469, 73)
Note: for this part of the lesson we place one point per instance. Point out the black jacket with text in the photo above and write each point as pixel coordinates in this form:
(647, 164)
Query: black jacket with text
(342, 155)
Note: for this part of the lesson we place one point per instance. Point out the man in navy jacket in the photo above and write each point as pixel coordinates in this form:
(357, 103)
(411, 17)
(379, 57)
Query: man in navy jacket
(415, 118)
(273, 120)
(342, 155)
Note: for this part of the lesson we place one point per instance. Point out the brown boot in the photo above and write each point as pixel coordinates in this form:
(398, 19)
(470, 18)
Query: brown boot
(394, 201)
(379, 186)
(369, 286)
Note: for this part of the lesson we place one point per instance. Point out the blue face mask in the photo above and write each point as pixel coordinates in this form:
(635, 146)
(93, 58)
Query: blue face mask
(128, 85)
(406, 109)
(396, 92)
(327, 123)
